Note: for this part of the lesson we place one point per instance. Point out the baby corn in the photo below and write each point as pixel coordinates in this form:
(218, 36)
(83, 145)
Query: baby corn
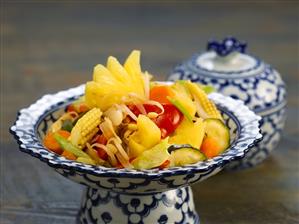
(86, 128)
(205, 107)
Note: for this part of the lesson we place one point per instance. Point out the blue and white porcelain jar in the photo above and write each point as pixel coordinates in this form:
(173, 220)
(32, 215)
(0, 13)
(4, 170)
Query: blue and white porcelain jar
(232, 72)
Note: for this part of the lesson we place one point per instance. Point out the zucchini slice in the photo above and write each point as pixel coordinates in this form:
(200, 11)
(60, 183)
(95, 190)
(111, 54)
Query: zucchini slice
(185, 156)
(217, 130)
(153, 157)
(176, 147)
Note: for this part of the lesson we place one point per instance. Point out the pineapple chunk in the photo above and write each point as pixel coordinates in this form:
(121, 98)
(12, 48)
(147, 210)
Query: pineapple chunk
(148, 132)
(147, 135)
(182, 95)
(189, 133)
(132, 66)
(117, 70)
(135, 148)
(111, 83)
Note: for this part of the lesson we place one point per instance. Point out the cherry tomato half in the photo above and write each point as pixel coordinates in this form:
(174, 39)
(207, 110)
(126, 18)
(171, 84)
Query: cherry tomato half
(167, 122)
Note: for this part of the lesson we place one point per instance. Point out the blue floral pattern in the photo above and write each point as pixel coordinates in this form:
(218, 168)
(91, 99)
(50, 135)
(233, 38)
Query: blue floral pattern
(174, 206)
(259, 87)
(227, 46)
(272, 125)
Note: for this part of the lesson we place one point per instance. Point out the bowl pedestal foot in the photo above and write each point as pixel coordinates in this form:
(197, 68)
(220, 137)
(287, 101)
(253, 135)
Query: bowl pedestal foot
(103, 206)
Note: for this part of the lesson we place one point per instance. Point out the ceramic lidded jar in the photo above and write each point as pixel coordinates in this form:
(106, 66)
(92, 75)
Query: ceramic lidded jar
(232, 72)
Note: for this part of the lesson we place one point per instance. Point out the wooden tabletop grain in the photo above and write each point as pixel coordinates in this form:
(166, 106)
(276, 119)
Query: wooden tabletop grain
(47, 46)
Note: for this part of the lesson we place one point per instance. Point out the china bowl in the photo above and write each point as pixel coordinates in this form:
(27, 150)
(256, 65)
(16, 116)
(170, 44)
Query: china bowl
(137, 196)
(231, 71)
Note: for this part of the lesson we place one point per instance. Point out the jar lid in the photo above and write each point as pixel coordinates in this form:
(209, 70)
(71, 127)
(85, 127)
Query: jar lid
(231, 71)
(226, 58)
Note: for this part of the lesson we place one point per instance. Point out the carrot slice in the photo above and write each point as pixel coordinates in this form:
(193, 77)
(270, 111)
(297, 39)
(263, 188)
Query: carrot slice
(164, 165)
(69, 155)
(160, 93)
(64, 133)
(51, 143)
(70, 108)
(83, 108)
(210, 147)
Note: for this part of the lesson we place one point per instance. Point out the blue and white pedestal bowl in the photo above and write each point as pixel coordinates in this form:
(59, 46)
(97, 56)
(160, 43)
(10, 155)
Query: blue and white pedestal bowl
(103, 206)
(134, 196)
(231, 72)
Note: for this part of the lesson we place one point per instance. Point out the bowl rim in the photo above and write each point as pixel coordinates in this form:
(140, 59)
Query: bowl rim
(24, 131)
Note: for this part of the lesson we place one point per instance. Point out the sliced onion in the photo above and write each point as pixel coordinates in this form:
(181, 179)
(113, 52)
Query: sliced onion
(123, 162)
(127, 111)
(107, 128)
(93, 154)
(107, 150)
(141, 108)
(137, 101)
(146, 79)
(127, 135)
(119, 148)
(157, 104)
(71, 113)
(112, 148)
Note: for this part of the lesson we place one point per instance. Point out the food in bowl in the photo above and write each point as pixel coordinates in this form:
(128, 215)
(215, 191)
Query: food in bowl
(125, 120)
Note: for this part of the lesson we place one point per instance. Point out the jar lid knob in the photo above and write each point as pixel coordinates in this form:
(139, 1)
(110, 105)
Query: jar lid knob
(227, 46)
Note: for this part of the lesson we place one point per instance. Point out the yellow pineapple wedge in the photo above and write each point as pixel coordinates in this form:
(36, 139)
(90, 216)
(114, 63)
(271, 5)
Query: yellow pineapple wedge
(111, 83)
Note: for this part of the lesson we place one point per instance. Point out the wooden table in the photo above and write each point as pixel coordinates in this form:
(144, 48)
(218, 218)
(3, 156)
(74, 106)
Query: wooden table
(48, 46)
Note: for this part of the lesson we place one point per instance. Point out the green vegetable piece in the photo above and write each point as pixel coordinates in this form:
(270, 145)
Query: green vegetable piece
(67, 125)
(208, 89)
(184, 156)
(217, 130)
(152, 157)
(181, 108)
(78, 118)
(86, 160)
(175, 147)
(66, 145)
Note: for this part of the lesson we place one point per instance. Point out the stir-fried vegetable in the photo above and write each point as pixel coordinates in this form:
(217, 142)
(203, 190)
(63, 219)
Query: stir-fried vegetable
(205, 107)
(216, 139)
(146, 136)
(113, 82)
(189, 133)
(126, 121)
(167, 121)
(184, 156)
(153, 157)
(51, 143)
(86, 127)
(68, 155)
(181, 108)
(67, 125)
(66, 145)
(161, 94)
(183, 100)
